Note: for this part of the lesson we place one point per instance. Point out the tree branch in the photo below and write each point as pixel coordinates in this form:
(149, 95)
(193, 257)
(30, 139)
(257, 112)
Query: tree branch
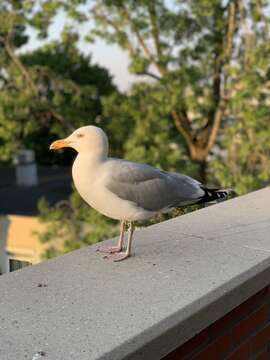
(217, 80)
(181, 120)
(142, 43)
(247, 34)
(33, 87)
(183, 126)
(60, 118)
(231, 30)
(117, 29)
(20, 66)
(150, 74)
(224, 97)
(154, 27)
(261, 12)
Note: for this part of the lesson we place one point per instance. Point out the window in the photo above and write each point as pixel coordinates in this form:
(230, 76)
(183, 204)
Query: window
(17, 264)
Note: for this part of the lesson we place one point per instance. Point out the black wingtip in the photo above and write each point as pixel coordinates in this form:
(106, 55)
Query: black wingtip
(216, 195)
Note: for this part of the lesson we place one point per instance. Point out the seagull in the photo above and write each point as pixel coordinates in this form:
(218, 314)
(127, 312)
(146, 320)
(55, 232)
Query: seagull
(125, 190)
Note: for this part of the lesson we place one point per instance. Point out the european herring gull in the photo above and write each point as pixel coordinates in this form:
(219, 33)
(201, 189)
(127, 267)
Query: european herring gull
(126, 190)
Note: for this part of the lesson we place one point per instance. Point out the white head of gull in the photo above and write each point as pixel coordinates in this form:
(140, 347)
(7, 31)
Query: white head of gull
(126, 190)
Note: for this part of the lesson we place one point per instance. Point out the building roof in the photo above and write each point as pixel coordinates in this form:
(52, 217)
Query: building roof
(55, 184)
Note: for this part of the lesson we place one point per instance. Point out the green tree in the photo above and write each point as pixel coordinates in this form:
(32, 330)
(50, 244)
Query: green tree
(67, 86)
(246, 139)
(45, 94)
(71, 225)
(207, 61)
(145, 130)
(186, 47)
(207, 97)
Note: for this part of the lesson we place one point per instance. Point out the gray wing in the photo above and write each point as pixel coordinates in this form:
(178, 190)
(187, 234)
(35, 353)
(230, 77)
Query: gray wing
(150, 188)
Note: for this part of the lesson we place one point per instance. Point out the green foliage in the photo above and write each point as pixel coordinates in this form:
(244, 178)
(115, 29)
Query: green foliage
(246, 139)
(144, 128)
(71, 225)
(181, 44)
(135, 134)
(44, 95)
(68, 95)
(204, 58)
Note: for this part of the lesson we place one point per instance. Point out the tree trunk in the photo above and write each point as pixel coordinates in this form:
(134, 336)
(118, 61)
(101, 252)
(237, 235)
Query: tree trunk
(203, 171)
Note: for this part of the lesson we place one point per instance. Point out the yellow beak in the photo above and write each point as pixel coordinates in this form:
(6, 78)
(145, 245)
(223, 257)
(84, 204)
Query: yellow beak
(59, 144)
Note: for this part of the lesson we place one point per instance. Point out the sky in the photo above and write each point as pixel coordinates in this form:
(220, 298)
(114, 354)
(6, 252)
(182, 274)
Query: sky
(106, 55)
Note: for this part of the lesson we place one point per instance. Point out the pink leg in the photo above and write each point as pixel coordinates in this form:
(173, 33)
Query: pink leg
(125, 254)
(119, 246)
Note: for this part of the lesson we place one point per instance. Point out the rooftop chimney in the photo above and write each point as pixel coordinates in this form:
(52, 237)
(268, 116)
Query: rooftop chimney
(26, 168)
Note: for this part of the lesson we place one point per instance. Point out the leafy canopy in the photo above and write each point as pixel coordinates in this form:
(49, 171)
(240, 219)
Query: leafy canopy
(204, 109)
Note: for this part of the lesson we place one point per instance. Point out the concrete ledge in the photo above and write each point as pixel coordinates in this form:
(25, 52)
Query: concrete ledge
(186, 273)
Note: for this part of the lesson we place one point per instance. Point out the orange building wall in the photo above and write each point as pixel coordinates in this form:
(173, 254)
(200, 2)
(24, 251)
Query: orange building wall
(21, 237)
(19, 241)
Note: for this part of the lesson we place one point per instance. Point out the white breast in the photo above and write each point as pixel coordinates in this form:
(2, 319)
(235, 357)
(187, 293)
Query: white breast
(89, 179)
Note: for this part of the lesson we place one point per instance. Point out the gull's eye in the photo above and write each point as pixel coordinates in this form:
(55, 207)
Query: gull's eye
(80, 135)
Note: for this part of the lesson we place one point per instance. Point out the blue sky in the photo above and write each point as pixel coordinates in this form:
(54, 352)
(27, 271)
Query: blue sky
(109, 56)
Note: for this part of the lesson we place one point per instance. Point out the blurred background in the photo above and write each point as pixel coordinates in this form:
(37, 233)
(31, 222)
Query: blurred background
(181, 85)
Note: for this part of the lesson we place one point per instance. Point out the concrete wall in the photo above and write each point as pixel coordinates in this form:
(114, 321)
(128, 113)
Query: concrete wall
(242, 334)
(184, 276)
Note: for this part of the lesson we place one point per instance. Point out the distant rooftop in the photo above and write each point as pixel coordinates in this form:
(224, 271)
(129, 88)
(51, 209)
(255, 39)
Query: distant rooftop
(54, 185)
